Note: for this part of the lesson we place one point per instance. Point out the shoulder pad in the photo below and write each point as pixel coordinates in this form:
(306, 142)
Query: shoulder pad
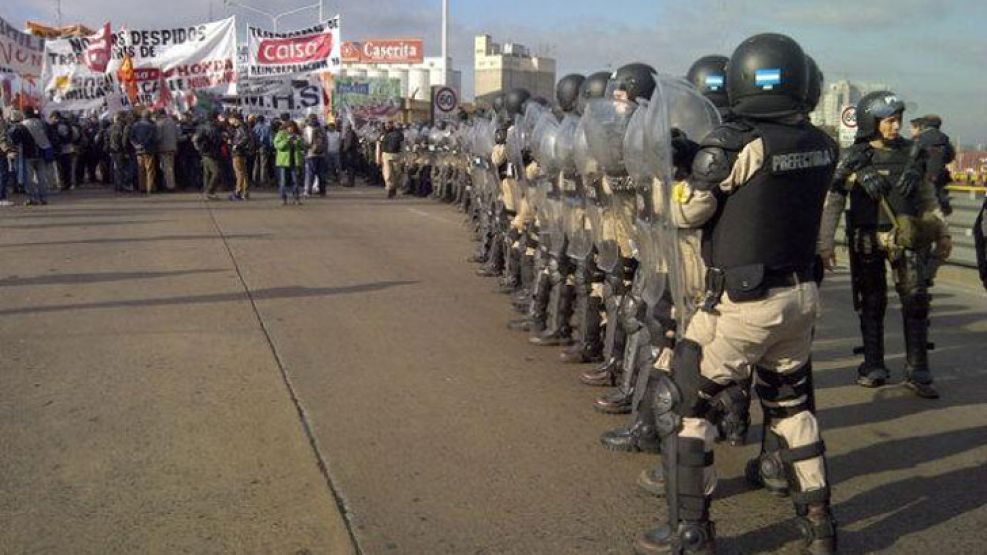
(730, 136)
(711, 166)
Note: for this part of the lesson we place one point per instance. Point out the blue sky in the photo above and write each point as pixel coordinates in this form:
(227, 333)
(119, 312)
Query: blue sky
(934, 53)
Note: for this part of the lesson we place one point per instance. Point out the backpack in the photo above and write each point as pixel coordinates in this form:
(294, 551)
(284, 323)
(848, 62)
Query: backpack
(204, 140)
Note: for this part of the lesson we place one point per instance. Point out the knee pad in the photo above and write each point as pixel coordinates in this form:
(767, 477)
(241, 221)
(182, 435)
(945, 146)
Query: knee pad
(775, 389)
(695, 390)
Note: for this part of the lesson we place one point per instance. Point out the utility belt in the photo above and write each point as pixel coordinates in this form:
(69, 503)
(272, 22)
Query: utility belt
(751, 282)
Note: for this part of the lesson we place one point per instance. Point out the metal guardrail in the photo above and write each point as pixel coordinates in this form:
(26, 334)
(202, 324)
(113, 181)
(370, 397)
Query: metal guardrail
(967, 202)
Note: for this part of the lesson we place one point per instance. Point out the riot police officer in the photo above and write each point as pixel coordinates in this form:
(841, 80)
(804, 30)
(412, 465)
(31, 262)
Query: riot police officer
(894, 217)
(759, 242)
(588, 307)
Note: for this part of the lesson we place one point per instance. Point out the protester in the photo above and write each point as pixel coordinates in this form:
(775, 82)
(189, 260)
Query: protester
(240, 147)
(168, 132)
(350, 152)
(144, 138)
(315, 162)
(290, 158)
(8, 159)
(34, 145)
(208, 142)
(333, 148)
(261, 131)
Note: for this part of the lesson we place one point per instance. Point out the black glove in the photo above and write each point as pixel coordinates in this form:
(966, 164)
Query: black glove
(684, 150)
(873, 183)
(908, 182)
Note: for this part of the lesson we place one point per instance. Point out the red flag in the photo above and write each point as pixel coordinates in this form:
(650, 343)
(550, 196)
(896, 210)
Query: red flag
(97, 55)
(127, 78)
(164, 93)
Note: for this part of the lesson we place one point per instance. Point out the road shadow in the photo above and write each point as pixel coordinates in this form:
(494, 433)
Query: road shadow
(105, 277)
(82, 224)
(116, 240)
(897, 509)
(294, 292)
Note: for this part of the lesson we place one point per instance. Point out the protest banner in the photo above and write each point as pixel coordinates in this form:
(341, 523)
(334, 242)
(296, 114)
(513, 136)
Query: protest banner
(272, 97)
(295, 53)
(198, 60)
(20, 53)
(73, 78)
(368, 99)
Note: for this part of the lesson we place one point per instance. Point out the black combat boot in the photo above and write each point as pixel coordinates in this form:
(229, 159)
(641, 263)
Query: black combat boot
(608, 373)
(640, 434)
(873, 372)
(587, 312)
(918, 378)
(689, 530)
(619, 400)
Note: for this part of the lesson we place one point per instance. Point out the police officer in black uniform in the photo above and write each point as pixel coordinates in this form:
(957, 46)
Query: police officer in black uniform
(768, 172)
(894, 216)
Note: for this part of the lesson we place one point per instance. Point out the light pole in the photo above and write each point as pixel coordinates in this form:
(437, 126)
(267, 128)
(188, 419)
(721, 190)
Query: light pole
(275, 17)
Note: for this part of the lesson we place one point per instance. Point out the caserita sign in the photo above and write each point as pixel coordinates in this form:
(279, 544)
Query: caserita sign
(384, 51)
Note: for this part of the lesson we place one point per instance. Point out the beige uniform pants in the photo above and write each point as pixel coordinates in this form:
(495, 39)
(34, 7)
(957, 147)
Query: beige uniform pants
(387, 162)
(774, 333)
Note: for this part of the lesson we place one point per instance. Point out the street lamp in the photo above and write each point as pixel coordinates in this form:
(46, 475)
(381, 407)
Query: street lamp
(275, 17)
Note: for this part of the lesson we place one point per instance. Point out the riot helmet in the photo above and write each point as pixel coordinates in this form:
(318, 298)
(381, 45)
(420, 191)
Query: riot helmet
(636, 80)
(767, 77)
(514, 101)
(709, 75)
(567, 91)
(595, 86)
(874, 107)
(497, 103)
(815, 85)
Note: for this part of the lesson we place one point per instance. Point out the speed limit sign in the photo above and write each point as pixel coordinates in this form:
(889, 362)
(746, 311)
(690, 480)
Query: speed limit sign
(849, 116)
(445, 102)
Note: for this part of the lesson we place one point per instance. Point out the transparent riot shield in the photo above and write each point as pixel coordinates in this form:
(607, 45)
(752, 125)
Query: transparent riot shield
(601, 230)
(676, 105)
(650, 281)
(573, 205)
(606, 121)
(549, 206)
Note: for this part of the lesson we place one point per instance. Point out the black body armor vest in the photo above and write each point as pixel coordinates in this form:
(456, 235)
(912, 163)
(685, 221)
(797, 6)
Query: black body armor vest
(773, 219)
(889, 161)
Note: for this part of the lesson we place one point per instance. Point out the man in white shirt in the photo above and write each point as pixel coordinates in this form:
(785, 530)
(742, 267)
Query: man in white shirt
(334, 143)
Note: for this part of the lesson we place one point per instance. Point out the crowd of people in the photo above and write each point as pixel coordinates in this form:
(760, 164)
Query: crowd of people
(147, 151)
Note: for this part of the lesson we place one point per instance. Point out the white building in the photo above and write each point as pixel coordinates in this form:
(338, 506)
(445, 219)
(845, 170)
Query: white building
(416, 79)
(498, 68)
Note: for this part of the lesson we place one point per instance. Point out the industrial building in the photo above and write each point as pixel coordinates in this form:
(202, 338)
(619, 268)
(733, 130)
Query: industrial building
(503, 67)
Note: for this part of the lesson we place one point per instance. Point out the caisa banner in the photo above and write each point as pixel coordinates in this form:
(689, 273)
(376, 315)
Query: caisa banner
(295, 53)
(368, 99)
(20, 53)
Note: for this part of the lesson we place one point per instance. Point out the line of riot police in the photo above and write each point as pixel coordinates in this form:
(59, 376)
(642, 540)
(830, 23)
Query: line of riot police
(671, 231)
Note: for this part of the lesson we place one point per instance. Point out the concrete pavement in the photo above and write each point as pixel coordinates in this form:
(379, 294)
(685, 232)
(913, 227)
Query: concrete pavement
(179, 376)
